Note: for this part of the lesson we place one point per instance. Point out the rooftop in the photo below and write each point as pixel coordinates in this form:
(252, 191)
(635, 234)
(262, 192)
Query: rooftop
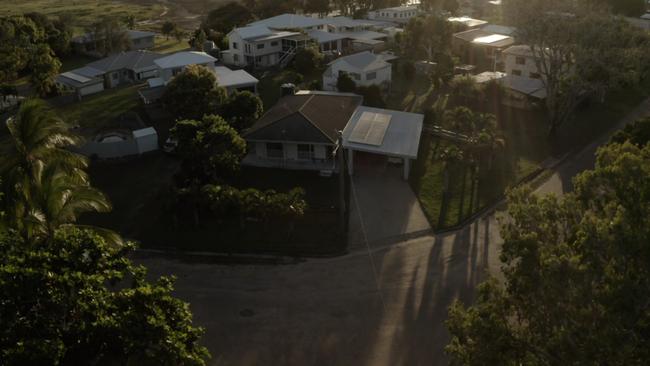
(289, 21)
(300, 118)
(132, 60)
(519, 50)
(363, 61)
(322, 36)
(532, 87)
(399, 137)
(499, 29)
(228, 78)
(180, 59)
(399, 8)
(467, 21)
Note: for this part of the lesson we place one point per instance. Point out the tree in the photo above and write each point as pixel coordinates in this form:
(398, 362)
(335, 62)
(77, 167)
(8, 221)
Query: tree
(45, 185)
(211, 150)
(427, 37)
(320, 7)
(242, 110)
(57, 32)
(79, 300)
(197, 41)
(464, 91)
(345, 84)
(109, 36)
(226, 17)
(372, 96)
(193, 93)
(580, 52)
(307, 60)
(18, 37)
(637, 133)
(45, 68)
(577, 275)
(168, 28)
(631, 8)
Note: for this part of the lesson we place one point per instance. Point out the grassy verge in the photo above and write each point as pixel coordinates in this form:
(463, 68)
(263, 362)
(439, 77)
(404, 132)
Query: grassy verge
(98, 110)
(82, 13)
(171, 45)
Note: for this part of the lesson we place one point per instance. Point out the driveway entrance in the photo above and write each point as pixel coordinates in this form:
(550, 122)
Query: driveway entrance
(383, 206)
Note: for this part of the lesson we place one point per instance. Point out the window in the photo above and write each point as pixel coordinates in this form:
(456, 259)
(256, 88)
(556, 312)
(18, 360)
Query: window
(371, 76)
(520, 60)
(235, 45)
(274, 150)
(535, 75)
(260, 46)
(305, 152)
(274, 43)
(516, 72)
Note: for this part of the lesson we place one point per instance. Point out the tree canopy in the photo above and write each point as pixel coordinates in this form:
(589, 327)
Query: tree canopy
(193, 93)
(345, 84)
(226, 17)
(78, 300)
(242, 109)
(426, 38)
(577, 275)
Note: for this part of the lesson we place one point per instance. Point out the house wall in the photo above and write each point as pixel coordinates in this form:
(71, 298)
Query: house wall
(527, 69)
(235, 56)
(91, 89)
(143, 43)
(398, 16)
(382, 76)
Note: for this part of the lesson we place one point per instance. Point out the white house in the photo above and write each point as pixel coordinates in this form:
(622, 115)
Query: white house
(259, 46)
(170, 66)
(399, 14)
(364, 68)
(520, 61)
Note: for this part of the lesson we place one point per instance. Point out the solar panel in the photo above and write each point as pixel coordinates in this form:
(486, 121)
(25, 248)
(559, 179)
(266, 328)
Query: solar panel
(371, 129)
(75, 77)
(490, 39)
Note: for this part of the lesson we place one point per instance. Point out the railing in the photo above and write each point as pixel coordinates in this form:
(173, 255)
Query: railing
(440, 132)
(287, 57)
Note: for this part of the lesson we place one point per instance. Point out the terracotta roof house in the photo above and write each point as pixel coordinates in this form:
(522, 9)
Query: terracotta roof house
(300, 131)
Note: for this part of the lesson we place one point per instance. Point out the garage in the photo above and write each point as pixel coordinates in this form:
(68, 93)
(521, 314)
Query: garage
(382, 136)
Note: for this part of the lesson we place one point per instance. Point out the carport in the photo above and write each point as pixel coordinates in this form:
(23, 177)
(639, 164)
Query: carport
(393, 134)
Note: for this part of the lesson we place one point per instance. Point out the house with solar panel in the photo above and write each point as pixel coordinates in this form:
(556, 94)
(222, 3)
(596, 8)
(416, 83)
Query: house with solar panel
(306, 131)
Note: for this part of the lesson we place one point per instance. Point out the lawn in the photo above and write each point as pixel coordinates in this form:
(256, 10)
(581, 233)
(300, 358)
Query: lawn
(527, 146)
(98, 110)
(83, 13)
(139, 190)
(171, 45)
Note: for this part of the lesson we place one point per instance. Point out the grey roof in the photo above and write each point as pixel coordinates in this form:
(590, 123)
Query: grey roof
(467, 21)
(184, 58)
(313, 117)
(402, 138)
(253, 31)
(470, 35)
(532, 87)
(229, 78)
(76, 81)
(399, 8)
(500, 29)
(363, 61)
(348, 22)
(152, 94)
(131, 60)
(519, 50)
(288, 21)
(321, 36)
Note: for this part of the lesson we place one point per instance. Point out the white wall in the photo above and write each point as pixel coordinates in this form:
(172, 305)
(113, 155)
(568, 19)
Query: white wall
(526, 69)
(91, 89)
(383, 76)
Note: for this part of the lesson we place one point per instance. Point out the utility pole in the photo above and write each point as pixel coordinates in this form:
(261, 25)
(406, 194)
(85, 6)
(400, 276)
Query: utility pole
(339, 152)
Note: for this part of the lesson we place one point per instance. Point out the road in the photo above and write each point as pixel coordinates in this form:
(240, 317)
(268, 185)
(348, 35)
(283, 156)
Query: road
(380, 306)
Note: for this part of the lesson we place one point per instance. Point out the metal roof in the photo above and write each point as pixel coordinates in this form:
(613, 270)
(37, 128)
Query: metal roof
(131, 60)
(363, 61)
(467, 21)
(289, 21)
(401, 138)
(184, 58)
(230, 78)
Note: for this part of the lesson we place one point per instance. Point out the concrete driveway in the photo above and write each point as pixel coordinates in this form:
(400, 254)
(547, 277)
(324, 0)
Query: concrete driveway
(383, 206)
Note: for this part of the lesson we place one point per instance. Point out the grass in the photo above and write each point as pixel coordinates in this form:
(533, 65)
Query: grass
(139, 190)
(98, 110)
(171, 45)
(82, 13)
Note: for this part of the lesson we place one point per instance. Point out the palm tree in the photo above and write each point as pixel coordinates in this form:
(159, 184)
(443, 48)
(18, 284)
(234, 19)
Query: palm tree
(45, 185)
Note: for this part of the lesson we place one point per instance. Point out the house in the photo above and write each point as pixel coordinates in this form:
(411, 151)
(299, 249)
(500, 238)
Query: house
(399, 14)
(110, 72)
(259, 46)
(296, 134)
(364, 69)
(481, 48)
(499, 29)
(520, 92)
(291, 22)
(519, 60)
(300, 131)
(169, 66)
(86, 44)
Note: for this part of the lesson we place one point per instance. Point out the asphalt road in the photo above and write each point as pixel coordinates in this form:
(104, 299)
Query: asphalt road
(378, 306)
